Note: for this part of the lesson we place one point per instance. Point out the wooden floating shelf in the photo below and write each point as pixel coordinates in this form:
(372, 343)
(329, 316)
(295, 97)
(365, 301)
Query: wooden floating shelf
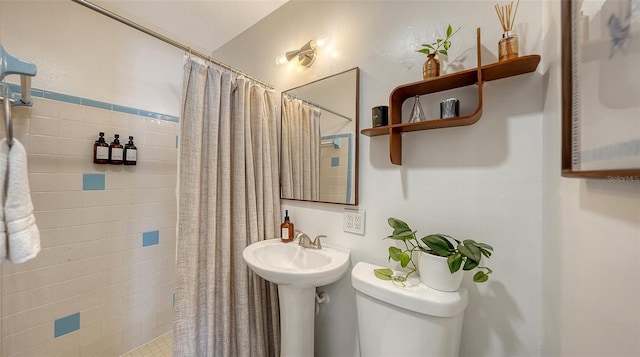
(478, 75)
(490, 72)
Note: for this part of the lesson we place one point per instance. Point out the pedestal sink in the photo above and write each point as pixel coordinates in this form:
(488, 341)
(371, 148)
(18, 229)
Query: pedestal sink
(297, 271)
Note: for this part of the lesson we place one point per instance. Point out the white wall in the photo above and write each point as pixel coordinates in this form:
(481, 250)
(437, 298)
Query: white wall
(482, 182)
(591, 243)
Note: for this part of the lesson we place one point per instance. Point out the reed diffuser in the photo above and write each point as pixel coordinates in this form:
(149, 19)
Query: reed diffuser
(508, 45)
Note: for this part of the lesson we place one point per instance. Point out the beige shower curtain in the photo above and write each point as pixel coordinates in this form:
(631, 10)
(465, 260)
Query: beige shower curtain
(228, 198)
(300, 172)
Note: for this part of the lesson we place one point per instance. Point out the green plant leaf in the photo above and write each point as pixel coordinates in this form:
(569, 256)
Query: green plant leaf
(396, 223)
(469, 264)
(484, 246)
(404, 235)
(486, 253)
(404, 259)
(480, 277)
(454, 262)
(470, 251)
(449, 31)
(447, 44)
(443, 52)
(438, 244)
(394, 253)
(383, 273)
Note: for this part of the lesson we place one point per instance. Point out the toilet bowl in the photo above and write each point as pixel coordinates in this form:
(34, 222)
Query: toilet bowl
(410, 320)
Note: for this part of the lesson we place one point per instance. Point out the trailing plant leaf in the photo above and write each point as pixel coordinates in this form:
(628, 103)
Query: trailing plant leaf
(480, 277)
(383, 273)
(467, 252)
(394, 253)
(438, 244)
(396, 223)
(404, 235)
(470, 264)
(454, 262)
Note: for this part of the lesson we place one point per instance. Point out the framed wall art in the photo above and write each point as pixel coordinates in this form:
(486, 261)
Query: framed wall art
(601, 89)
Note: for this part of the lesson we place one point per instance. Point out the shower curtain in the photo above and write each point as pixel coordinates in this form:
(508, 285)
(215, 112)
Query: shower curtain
(300, 173)
(228, 198)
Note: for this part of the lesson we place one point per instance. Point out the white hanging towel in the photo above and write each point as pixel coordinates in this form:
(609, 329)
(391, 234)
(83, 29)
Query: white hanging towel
(22, 233)
(4, 156)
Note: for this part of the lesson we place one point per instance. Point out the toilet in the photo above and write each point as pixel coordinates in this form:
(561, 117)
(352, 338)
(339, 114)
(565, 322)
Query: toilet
(411, 320)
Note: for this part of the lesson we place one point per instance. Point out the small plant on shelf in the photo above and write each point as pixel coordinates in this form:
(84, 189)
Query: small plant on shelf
(441, 45)
(466, 254)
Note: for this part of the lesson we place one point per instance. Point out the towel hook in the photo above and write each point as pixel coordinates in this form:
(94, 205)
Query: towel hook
(7, 120)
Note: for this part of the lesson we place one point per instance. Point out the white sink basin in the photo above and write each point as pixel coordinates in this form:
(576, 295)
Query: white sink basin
(297, 271)
(291, 264)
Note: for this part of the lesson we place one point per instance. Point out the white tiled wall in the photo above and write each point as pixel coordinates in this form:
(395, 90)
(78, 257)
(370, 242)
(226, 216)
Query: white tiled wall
(333, 187)
(93, 261)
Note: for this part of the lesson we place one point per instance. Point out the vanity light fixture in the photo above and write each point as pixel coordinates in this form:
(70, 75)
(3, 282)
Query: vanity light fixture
(306, 54)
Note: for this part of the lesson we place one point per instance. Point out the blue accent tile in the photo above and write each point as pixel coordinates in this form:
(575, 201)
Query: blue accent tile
(150, 238)
(148, 114)
(123, 109)
(335, 161)
(177, 141)
(66, 325)
(171, 118)
(62, 97)
(92, 182)
(95, 104)
(37, 93)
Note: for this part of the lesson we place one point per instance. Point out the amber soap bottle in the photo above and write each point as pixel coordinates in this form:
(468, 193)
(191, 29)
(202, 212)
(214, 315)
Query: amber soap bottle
(286, 229)
(130, 153)
(101, 151)
(115, 151)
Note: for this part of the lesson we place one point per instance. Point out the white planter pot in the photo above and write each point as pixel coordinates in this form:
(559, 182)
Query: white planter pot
(434, 273)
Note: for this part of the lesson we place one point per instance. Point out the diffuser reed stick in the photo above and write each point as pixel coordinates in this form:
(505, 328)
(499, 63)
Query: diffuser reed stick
(508, 45)
(506, 16)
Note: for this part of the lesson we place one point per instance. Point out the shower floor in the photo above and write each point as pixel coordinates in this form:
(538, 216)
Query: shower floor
(160, 347)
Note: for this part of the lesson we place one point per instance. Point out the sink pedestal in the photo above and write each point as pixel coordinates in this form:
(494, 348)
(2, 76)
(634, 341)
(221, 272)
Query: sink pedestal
(297, 271)
(297, 319)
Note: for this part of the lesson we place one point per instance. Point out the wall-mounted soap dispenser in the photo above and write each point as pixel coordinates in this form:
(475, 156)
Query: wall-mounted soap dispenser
(101, 151)
(115, 151)
(130, 152)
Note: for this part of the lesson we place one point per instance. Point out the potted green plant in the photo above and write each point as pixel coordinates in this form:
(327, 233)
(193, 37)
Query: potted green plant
(431, 67)
(464, 255)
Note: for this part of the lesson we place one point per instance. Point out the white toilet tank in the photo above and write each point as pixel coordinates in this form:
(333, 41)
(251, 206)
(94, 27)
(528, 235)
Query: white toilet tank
(411, 320)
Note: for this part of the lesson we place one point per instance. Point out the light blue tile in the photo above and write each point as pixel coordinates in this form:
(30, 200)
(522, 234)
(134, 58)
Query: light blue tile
(335, 161)
(170, 118)
(96, 104)
(92, 182)
(66, 325)
(177, 141)
(149, 114)
(62, 97)
(123, 109)
(150, 238)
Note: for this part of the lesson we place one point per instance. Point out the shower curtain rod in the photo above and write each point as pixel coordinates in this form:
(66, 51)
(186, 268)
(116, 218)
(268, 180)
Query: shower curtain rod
(317, 106)
(166, 39)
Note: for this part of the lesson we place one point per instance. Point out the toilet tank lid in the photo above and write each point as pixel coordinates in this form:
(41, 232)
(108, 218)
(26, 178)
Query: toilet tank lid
(414, 296)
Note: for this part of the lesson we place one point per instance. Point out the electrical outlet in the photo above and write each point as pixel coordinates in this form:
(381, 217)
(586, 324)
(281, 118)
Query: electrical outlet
(353, 221)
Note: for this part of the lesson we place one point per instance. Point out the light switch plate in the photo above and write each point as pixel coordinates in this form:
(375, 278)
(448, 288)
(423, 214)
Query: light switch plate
(353, 221)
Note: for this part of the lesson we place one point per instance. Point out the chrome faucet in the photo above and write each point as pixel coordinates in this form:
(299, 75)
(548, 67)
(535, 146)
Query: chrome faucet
(305, 241)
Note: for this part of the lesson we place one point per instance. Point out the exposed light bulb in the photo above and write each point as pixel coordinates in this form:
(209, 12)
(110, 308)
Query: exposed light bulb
(322, 41)
(282, 59)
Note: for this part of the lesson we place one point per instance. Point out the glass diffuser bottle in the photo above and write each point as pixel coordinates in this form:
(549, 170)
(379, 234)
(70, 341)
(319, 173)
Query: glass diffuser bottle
(508, 44)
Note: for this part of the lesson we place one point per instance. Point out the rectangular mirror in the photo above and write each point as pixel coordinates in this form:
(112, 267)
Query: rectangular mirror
(319, 157)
